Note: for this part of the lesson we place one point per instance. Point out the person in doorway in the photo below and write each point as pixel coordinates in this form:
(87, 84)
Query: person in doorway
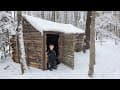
(52, 64)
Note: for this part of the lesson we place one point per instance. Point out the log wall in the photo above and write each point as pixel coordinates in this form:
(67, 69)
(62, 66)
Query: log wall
(33, 41)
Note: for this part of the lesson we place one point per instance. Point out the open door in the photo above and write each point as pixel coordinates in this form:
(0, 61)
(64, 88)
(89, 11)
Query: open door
(68, 50)
(60, 46)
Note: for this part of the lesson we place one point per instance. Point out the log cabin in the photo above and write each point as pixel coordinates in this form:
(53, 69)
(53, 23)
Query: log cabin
(39, 33)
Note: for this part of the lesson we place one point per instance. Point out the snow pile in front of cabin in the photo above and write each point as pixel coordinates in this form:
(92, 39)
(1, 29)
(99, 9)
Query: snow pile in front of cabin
(9, 70)
(107, 66)
(45, 25)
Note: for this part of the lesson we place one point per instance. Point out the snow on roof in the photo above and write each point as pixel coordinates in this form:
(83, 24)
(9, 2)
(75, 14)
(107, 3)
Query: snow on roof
(45, 25)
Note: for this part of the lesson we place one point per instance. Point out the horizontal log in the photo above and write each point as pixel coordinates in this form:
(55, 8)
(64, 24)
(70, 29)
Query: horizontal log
(36, 65)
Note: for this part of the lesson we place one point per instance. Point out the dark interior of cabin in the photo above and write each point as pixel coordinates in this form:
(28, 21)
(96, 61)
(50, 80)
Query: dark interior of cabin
(53, 39)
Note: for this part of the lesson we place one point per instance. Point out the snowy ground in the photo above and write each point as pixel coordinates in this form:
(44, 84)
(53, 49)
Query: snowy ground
(107, 60)
(107, 66)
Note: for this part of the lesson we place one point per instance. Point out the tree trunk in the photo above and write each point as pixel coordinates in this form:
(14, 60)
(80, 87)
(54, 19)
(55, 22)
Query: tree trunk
(87, 30)
(53, 16)
(92, 45)
(65, 17)
(21, 42)
(76, 17)
(42, 14)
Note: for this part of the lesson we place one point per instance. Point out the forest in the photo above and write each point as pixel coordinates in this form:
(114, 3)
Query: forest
(101, 39)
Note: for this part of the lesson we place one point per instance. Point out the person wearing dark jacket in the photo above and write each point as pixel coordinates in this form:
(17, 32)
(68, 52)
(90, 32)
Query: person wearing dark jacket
(52, 64)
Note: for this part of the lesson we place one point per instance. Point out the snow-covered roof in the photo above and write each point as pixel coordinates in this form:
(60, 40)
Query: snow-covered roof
(45, 25)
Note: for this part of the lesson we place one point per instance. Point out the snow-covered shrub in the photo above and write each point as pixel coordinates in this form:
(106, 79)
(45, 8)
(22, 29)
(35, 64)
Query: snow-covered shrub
(7, 28)
(105, 26)
(7, 23)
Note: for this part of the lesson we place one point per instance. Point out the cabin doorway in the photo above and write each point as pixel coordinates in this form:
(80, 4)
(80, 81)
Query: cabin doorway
(55, 39)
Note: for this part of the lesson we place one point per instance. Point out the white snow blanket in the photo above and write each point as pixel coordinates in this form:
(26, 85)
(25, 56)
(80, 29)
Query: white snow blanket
(45, 25)
(107, 66)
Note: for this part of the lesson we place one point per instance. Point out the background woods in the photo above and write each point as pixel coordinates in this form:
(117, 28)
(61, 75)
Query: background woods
(101, 34)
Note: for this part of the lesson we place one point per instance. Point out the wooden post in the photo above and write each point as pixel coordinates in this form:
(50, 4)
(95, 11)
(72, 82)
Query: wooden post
(44, 50)
(92, 45)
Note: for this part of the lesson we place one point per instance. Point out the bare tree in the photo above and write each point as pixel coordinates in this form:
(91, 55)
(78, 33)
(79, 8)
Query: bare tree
(65, 17)
(42, 14)
(92, 44)
(76, 17)
(53, 16)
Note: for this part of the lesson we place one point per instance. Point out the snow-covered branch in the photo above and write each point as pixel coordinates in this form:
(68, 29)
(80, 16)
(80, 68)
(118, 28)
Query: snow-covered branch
(105, 26)
(7, 28)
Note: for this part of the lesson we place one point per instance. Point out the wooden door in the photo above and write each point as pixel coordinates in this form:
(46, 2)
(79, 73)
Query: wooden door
(68, 50)
(60, 47)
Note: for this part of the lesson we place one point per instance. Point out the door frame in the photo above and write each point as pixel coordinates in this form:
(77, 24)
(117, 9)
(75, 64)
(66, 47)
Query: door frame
(45, 46)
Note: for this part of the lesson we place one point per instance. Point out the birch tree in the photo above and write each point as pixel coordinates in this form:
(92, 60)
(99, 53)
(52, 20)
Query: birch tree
(21, 43)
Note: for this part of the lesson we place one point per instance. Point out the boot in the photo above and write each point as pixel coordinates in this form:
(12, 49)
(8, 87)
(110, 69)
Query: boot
(54, 67)
(50, 69)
